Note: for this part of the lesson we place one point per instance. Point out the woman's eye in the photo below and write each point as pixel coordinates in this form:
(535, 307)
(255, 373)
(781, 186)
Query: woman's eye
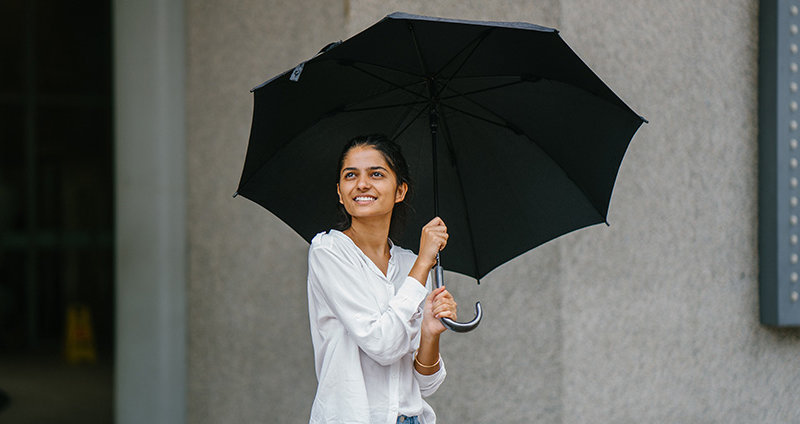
(349, 175)
(377, 174)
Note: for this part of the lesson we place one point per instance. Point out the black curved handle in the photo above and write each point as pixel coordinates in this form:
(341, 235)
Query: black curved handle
(458, 327)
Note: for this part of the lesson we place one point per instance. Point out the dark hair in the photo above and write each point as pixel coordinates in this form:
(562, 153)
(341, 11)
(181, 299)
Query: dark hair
(393, 155)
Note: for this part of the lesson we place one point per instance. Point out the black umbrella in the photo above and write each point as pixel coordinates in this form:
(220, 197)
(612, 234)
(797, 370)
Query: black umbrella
(510, 137)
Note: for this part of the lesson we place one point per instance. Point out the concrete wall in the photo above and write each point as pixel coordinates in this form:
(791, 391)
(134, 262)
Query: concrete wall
(249, 348)
(661, 309)
(653, 319)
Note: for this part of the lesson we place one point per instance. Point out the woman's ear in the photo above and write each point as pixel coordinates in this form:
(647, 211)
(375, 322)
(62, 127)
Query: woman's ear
(339, 193)
(402, 189)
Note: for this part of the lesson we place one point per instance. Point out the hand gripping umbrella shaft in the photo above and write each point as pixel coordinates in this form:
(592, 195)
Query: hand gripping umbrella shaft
(438, 274)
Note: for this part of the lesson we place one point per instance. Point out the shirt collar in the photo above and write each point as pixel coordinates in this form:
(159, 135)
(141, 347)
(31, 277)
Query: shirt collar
(344, 236)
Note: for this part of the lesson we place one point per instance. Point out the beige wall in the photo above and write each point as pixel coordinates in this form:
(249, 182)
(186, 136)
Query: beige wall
(654, 318)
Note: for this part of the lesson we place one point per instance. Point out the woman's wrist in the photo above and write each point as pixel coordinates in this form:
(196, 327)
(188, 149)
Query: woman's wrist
(419, 271)
(428, 336)
(426, 264)
(434, 365)
(427, 358)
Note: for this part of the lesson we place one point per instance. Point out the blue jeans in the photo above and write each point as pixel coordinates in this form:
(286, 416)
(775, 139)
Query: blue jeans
(407, 420)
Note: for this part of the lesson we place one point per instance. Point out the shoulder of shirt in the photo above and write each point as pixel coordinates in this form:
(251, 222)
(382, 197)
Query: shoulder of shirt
(330, 246)
(325, 240)
(334, 243)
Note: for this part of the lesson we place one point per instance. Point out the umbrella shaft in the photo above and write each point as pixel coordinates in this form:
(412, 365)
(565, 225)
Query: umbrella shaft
(434, 122)
(438, 274)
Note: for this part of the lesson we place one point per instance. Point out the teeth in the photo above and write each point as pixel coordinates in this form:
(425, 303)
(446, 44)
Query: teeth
(361, 198)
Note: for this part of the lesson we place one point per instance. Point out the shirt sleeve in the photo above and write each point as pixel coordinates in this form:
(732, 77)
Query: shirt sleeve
(385, 336)
(428, 384)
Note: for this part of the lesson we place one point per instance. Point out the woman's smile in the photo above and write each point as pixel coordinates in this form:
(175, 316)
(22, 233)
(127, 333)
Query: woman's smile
(365, 200)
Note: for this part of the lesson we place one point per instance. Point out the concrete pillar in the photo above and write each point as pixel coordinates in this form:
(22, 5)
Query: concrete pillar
(150, 379)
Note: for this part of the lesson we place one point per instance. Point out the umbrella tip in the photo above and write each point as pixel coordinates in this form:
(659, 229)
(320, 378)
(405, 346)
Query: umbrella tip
(236, 193)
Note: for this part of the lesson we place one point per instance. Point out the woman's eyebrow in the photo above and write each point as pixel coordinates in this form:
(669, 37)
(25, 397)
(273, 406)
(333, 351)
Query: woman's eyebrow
(351, 168)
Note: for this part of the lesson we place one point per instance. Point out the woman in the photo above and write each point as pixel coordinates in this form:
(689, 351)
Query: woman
(374, 320)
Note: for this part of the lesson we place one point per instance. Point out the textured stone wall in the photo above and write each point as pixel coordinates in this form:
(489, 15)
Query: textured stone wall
(654, 318)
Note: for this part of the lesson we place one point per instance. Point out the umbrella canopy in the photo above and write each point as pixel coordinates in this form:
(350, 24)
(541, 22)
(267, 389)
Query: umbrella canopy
(529, 138)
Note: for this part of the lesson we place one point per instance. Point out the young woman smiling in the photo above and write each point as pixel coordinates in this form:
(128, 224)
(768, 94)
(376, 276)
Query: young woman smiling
(374, 321)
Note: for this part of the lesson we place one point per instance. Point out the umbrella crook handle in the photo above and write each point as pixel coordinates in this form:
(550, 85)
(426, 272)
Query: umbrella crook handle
(458, 327)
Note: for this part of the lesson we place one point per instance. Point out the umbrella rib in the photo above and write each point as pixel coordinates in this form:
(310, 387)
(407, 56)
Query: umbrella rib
(457, 95)
(498, 75)
(531, 78)
(398, 134)
(394, 133)
(418, 51)
(392, 83)
(362, 109)
(344, 62)
(463, 195)
(352, 62)
(475, 44)
(517, 130)
(505, 125)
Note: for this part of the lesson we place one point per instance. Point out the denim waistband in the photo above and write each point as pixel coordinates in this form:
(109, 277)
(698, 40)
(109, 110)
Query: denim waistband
(407, 420)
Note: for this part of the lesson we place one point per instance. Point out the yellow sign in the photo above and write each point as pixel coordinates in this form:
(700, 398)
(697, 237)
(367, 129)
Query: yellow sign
(80, 337)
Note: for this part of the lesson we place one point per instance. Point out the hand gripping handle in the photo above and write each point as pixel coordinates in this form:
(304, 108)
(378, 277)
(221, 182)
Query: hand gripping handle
(458, 327)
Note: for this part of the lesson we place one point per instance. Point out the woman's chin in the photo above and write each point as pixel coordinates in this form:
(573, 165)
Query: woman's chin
(368, 214)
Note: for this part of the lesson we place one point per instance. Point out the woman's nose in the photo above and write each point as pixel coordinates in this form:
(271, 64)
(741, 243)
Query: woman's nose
(363, 182)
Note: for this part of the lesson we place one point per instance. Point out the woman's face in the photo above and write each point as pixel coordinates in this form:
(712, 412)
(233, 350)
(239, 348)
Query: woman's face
(367, 185)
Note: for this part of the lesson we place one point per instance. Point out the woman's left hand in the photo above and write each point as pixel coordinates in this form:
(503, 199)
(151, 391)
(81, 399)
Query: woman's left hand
(439, 304)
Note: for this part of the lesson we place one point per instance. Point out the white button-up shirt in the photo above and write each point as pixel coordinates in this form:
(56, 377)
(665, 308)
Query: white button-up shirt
(365, 329)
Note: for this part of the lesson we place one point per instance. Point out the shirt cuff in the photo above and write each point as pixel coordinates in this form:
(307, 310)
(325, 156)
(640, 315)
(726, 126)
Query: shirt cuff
(408, 298)
(429, 383)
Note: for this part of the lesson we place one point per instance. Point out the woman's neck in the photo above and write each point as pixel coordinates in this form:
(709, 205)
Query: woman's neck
(370, 236)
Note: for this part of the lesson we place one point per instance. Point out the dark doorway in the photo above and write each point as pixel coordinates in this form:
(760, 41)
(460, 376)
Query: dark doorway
(56, 211)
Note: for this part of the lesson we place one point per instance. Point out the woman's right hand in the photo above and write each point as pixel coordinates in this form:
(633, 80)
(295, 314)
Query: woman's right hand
(432, 240)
